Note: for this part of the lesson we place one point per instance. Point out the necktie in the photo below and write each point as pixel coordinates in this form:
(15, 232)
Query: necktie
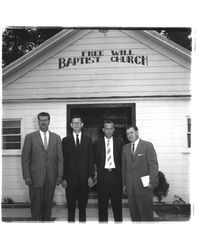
(77, 140)
(45, 141)
(109, 160)
(133, 147)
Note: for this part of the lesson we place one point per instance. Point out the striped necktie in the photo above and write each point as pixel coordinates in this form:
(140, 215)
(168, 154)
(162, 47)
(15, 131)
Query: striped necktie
(109, 159)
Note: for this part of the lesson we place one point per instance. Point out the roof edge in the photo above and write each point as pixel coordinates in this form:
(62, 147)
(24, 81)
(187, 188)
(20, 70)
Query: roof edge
(33, 53)
(169, 43)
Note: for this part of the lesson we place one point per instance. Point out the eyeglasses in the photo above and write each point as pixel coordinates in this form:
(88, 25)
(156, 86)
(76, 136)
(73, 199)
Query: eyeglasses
(76, 123)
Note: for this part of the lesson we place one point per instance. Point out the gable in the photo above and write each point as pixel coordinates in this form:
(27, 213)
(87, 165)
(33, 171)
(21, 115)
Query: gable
(104, 64)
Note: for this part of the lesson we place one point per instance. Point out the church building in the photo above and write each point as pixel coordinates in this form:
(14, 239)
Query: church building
(131, 76)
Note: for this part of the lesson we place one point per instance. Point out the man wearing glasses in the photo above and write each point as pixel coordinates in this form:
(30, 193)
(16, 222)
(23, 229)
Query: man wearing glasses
(78, 169)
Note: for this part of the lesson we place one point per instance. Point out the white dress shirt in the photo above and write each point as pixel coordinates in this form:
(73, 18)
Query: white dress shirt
(135, 143)
(75, 137)
(111, 146)
(42, 136)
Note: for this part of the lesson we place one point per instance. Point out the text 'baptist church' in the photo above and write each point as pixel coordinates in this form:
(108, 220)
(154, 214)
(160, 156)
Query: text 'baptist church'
(95, 56)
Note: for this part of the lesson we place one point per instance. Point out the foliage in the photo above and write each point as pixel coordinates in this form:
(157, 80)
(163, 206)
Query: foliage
(182, 36)
(18, 42)
(161, 190)
(7, 200)
(178, 200)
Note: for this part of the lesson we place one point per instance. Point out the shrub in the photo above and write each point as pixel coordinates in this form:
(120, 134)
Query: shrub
(161, 190)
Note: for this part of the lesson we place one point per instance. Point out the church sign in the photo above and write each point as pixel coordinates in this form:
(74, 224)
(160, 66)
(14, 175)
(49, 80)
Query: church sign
(95, 56)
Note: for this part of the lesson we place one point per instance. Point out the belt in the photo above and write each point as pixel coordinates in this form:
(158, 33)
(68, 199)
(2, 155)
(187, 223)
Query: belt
(110, 169)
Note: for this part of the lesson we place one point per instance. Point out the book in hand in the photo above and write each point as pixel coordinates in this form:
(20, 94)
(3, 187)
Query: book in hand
(145, 180)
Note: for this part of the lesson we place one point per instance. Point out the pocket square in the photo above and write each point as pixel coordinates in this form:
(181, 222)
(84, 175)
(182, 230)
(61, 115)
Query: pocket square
(140, 154)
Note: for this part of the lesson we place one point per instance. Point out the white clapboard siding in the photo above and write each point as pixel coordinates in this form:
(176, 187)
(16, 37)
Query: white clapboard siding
(119, 70)
(84, 78)
(163, 122)
(95, 34)
(165, 125)
(162, 75)
(102, 91)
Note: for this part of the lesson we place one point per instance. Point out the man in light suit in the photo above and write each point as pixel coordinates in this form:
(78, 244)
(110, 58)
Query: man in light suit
(139, 160)
(42, 166)
(78, 171)
(108, 159)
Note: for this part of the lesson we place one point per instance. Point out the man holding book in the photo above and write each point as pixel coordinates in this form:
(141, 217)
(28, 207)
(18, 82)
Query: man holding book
(140, 175)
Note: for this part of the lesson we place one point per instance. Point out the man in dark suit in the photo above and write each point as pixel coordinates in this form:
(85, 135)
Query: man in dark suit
(42, 165)
(108, 152)
(140, 175)
(78, 171)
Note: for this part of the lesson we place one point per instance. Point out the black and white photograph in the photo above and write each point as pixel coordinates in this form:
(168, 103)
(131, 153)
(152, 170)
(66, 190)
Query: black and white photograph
(89, 94)
(98, 125)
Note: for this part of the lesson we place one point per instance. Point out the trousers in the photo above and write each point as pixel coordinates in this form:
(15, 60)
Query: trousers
(41, 199)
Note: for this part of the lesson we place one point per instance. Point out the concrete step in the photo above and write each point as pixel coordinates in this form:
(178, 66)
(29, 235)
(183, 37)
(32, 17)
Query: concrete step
(59, 213)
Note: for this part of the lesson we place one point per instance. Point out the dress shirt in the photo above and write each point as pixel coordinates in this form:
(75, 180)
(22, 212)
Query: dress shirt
(42, 136)
(111, 146)
(75, 137)
(135, 143)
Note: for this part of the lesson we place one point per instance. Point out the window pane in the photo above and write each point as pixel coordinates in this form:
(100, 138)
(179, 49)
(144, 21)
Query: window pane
(11, 124)
(11, 139)
(189, 124)
(11, 145)
(11, 131)
(189, 140)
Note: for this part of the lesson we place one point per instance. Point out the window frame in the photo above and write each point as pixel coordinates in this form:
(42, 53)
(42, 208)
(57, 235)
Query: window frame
(12, 151)
(189, 132)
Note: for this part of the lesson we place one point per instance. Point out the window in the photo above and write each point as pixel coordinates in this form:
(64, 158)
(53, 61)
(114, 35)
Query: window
(189, 125)
(11, 132)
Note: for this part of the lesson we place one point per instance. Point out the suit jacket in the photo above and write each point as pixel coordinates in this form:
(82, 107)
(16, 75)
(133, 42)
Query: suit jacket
(100, 156)
(38, 162)
(78, 163)
(144, 162)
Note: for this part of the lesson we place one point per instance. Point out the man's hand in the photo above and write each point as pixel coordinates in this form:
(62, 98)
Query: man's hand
(58, 181)
(28, 181)
(64, 184)
(149, 186)
(124, 189)
(90, 182)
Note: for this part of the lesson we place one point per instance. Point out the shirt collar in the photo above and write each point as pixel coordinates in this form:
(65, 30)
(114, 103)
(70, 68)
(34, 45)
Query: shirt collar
(136, 142)
(106, 139)
(42, 133)
(76, 134)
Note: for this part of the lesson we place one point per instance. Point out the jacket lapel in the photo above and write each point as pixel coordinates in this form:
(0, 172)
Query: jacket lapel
(137, 149)
(73, 145)
(129, 153)
(50, 141)
(39, 139)
(103, 152)
(115, 151)
(82, 143)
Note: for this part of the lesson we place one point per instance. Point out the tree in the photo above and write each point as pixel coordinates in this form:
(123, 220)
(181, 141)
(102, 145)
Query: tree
(19, 41)
(182, 36)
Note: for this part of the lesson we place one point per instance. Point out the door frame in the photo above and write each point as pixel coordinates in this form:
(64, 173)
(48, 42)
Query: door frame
(132, 107)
